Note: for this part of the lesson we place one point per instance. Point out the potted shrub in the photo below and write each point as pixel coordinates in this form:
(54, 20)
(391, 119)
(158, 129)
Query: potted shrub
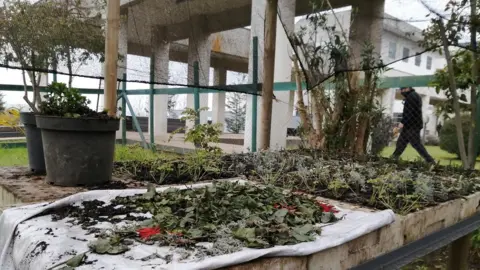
(70, 33)
(78, 142)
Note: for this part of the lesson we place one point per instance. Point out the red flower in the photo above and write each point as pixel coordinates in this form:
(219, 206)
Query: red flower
(327, 207)
(146, 233)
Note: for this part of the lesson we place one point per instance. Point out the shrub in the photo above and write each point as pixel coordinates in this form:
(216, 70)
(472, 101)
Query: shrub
(448, 135)
(63, 101)
(382, 134)
(432, 140)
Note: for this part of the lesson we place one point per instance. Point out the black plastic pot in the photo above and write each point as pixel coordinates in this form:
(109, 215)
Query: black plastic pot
(78, 151)
(36, 158)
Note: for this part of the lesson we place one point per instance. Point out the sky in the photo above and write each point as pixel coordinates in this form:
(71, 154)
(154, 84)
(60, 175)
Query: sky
(411, 11)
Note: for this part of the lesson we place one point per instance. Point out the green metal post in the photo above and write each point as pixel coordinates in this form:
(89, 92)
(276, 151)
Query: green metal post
(54, 72)
(477, 126)
(124, 109)
(135, 122)
(151, 111)
(196, 91)
(254, 98)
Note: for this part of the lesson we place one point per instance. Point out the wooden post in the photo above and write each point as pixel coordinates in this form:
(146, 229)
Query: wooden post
(268, 72)
(459, 252)
(111, 56)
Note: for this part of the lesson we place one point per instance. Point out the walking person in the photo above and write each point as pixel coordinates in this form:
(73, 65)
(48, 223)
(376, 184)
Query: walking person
(411, 125)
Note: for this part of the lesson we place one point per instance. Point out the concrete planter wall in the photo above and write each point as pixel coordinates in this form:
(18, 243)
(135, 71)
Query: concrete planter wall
(78, 151)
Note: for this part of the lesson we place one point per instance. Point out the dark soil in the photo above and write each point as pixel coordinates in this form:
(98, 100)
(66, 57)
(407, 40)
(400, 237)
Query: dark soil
(93, 212)
(39, 248)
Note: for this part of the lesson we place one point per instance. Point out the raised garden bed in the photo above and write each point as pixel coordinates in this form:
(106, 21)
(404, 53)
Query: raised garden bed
(425, 199)
(173, 228)
(374, 183)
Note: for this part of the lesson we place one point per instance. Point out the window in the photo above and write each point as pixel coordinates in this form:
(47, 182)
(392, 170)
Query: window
(406, 53)
(397, 117)
(392, 50)
(429, 62)
(418, 60)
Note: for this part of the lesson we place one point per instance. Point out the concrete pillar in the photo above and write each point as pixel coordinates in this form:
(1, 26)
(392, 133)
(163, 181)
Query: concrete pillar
(387, 100)
(199, 49)
(122, 63)
(161, 57)
(218, 102)
(282, 110)
(425, 115)
(367, 25)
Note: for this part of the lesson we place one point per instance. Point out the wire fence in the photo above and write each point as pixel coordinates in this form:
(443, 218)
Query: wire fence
(334, 72)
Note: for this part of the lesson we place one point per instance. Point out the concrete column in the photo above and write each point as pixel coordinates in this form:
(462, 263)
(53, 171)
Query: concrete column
(199, 49)
(161, 54)
(367, 25)
(282, 110)
(218, 102)
(425, 115)
(256, 29)
(122, 63)
(387, 101)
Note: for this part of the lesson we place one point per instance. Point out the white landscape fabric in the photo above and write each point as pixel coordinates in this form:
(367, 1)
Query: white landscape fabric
(30, 240)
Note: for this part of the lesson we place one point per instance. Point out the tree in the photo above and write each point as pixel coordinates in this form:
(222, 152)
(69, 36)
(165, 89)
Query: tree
(446, 31)
(2, 102)
(23, 27)
(462, 66)
(342, 111)
(237, 106)
(78, 33)
(46, 32)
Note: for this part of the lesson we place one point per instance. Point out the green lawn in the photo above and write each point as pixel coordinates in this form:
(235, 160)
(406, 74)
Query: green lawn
(438, 154)
(18, 156)
(13, 157)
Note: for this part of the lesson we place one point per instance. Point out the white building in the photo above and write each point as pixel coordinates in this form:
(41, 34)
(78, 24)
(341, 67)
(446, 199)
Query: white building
(399, 47)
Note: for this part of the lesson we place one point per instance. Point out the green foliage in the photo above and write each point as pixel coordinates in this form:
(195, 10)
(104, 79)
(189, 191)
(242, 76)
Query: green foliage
(2, 102)
(476, 242)
(382, 133)
(65, 102)
(200, 164)
(257, 217)
(448, 135)
(462, 67)
(237, 106)
(137, 152)
(35, 35)
(201, 135)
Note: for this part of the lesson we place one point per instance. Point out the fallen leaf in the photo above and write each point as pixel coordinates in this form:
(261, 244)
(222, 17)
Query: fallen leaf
(76, 260)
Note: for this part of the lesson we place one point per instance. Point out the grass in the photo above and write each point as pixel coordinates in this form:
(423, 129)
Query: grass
(444, 158)
(13, 157)
(19, 156)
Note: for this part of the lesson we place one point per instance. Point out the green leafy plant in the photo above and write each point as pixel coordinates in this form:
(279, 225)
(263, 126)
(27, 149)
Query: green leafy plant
(201, 135)
(448, 135)
(65, 102)
(256, 216)
(201, 163)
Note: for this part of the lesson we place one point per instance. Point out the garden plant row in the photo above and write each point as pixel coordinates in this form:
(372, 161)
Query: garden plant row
(373, 182)
(274, 207)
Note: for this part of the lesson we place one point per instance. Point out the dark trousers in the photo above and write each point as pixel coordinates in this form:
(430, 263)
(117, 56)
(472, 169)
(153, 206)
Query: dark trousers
(412, 136)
